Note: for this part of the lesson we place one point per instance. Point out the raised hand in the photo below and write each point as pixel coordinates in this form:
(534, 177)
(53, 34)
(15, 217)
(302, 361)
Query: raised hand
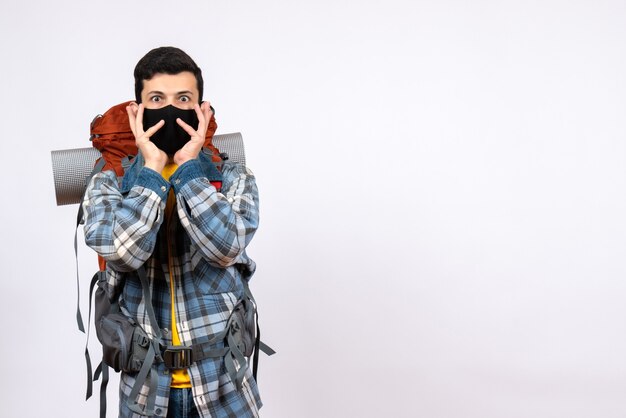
(192, 148)
(154, 158)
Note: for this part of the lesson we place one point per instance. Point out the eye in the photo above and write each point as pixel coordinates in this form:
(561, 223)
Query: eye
(184, 99)
(155, 99)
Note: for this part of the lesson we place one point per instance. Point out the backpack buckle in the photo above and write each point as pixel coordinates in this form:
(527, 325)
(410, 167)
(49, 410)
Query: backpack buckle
(177, 357)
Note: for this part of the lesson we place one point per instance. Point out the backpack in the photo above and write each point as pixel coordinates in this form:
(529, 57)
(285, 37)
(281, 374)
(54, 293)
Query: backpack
(112, 136)
(125, 345)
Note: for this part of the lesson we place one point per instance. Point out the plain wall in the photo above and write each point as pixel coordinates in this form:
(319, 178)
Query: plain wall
(443, 216)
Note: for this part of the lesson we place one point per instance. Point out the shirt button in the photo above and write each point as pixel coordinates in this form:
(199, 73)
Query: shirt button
(163, 188)
(166, 331)
(177, 181)
(158, 411)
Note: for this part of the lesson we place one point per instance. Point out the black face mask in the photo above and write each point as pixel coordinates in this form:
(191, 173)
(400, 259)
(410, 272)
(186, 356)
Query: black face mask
(171, 137)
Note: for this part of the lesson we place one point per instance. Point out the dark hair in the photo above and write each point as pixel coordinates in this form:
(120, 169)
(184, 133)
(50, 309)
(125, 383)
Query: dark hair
(165, 60)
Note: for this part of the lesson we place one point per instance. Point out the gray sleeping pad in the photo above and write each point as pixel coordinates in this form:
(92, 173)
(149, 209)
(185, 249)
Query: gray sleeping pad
(72, 167)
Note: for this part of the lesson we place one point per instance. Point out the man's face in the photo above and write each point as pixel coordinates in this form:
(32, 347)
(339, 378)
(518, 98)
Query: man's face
(180, 90)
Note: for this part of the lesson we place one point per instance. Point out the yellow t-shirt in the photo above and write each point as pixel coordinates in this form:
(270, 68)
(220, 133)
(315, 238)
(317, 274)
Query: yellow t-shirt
(180, 378)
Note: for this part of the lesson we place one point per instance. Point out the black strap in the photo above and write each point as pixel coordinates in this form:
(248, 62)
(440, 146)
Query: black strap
(93, 283)
(103, 390)
(152, 356)
(104, 370)
(235, 354)
(140, 379)
(79, 219)
(147, 297)
(258, 344)
(79, 318)
(126, 162)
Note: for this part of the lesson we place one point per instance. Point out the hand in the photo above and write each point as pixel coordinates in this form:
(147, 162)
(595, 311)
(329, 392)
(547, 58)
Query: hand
(192, 148)
(153, 156)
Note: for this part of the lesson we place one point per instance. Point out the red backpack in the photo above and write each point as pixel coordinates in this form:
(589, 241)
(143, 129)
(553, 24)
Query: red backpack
(111, 135)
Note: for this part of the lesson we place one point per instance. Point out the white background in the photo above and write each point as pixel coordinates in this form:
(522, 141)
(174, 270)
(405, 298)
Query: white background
(442, 195)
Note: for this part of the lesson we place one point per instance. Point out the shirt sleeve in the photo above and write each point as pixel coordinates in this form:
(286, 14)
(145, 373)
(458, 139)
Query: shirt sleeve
(220, 224)
(123, 229)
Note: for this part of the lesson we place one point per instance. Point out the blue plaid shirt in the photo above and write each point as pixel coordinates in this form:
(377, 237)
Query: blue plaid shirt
(204, 245)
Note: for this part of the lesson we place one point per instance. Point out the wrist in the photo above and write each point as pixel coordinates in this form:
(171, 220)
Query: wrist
(157, 166)
(182, 159)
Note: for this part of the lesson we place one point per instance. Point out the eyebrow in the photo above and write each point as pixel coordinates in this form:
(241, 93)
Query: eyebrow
(177, 93)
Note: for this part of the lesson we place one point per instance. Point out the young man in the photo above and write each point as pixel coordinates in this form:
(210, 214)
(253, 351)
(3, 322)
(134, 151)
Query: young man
(167, 216)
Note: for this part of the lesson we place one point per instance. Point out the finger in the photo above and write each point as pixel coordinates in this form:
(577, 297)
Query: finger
(207, 110)
(154, 128)
(192, 132)
(201, 116)
(132, 114)
(204, 117)
(139, 119)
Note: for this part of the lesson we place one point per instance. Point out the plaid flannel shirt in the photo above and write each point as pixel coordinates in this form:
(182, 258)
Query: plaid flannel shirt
(204, 245)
